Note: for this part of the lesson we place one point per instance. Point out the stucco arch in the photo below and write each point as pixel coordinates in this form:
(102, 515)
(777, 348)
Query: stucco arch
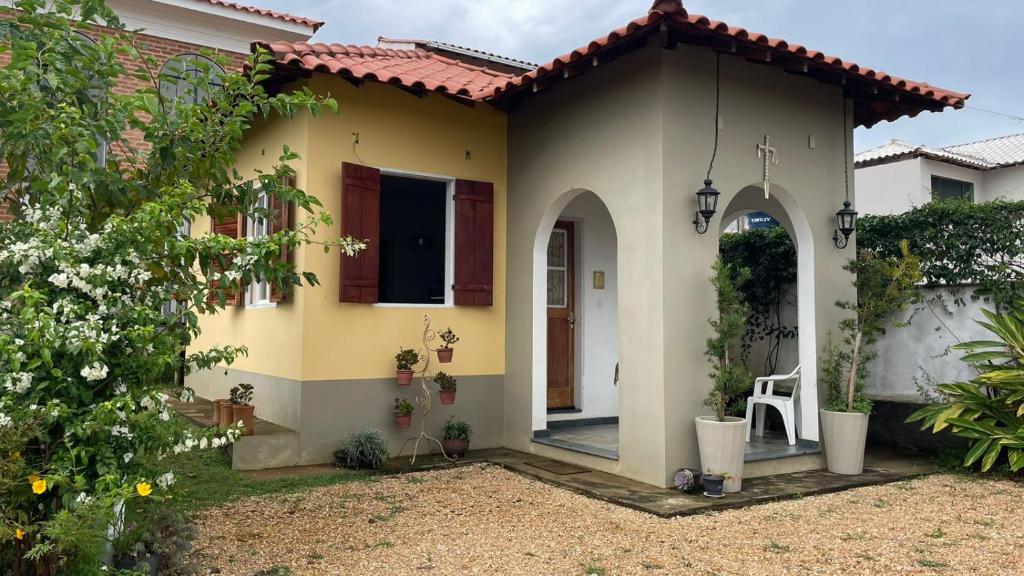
(538, 307)
(782, 206)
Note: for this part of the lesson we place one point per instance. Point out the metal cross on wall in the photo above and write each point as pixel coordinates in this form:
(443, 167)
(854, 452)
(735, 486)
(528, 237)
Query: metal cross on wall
(770, 155)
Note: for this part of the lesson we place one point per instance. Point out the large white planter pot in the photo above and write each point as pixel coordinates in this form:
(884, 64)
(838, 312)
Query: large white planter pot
(722, 446)
(844, 434)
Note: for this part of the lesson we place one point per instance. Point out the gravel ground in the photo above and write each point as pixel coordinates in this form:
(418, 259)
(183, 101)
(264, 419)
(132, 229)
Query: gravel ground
(485, 520)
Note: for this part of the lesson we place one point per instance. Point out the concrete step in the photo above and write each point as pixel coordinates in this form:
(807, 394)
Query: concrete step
(270, 446)
(789, 465)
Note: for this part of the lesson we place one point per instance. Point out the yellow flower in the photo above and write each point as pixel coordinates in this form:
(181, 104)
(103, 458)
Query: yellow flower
(143, 488)
(19, 534)
(15, 455)
(33, 478)
(39, 486)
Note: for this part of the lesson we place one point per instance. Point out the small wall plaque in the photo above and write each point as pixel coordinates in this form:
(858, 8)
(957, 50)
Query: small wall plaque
(598, 279)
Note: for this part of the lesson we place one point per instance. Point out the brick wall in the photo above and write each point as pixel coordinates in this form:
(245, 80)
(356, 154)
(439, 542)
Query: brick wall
(162, 50)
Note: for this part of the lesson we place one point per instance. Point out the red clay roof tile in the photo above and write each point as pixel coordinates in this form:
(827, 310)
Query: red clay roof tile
(672, 14)
(315, 24)
(416, 69)
(419, 69)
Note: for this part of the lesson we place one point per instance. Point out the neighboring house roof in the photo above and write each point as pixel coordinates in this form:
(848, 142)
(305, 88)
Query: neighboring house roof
(878, 96)
(411, 69)
(505, 63)
(982, 155)
(1003, 151)
(315, 24)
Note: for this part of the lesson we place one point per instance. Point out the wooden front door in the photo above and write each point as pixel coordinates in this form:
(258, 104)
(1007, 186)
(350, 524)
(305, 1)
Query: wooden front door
(561, 317)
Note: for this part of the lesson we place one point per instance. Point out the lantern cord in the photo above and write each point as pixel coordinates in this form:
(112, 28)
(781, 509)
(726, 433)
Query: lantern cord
(718, 94)
(846, 152)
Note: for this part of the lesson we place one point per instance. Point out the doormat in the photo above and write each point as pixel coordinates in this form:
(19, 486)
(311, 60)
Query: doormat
(556, 467)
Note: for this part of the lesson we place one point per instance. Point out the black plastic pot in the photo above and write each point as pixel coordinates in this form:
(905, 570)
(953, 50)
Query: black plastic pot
(713, 485)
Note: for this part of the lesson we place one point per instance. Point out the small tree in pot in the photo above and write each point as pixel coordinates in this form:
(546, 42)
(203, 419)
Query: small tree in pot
(445, 352)
(885, 286)
(241, 408)
(721, 438)
(448, 386)
(403, 413)
(456, 437)
(405, 360)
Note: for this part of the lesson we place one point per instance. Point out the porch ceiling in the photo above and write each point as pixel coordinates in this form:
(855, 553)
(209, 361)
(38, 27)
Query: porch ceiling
(878, 96)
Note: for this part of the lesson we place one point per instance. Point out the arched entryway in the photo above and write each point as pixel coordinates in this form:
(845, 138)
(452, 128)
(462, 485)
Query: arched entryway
(782, 207)
(576, 333)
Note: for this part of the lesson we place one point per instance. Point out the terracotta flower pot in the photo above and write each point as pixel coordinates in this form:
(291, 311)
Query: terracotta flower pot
(447, 398)
(444, 355)
(404, 377)
(218, 404)
(455, 448)
(244, 412)
(403, 422)
(227, 415)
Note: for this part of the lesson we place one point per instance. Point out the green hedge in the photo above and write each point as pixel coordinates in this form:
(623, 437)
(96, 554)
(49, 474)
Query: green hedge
(958, 242)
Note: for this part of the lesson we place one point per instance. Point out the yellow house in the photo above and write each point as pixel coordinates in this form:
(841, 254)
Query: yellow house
(548, 218)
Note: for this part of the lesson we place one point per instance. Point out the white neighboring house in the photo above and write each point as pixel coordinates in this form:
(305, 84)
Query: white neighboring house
(898, 176)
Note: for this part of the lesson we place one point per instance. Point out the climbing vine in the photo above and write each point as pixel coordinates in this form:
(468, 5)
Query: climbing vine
(770, 256)
(959, 244)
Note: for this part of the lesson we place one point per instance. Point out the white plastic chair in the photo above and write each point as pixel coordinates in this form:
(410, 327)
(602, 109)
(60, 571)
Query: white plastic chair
(764, 395)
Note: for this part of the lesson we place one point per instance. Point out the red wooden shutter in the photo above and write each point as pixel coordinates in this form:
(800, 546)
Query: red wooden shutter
(231, 224)
(360, 219)
(474, 243)
(282, 221)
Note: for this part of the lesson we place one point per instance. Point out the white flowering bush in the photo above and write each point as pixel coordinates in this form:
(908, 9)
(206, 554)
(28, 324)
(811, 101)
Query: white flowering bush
(88, 343)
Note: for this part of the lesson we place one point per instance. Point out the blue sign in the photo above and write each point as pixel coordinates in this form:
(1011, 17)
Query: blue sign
(761, 220)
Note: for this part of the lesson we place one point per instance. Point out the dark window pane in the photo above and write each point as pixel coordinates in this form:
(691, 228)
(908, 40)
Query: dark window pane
(412, 240)
(949, 189)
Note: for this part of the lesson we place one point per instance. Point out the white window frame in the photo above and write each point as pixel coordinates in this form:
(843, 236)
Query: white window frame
(449, 237)
(253, 231)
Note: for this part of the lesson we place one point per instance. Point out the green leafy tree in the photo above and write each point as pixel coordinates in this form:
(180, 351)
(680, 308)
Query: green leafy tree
(89, 341)
(730, 379)
(885, 286)
(989, 409)
(770, 255)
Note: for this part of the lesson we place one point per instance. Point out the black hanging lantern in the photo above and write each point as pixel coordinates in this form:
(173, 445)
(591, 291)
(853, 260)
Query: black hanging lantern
(707, 205)
(846, 220)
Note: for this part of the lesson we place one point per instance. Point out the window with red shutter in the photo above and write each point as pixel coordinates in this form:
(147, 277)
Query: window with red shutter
(229, 223)
(360, 218)
(474, 243)
(281, 221)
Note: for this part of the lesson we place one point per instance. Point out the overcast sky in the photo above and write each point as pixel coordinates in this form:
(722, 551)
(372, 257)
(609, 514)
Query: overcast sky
(970, 46)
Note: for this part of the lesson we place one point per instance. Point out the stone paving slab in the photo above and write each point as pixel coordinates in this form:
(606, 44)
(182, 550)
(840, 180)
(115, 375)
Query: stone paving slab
(883, 468)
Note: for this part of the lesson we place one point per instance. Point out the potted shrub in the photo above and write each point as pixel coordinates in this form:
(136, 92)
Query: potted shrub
(455, 440)
(406, 360)
(445, 352)
(241, 406)
(885, 286)
(721, 438)
(447, 385)
(403, 413)
(364, 450)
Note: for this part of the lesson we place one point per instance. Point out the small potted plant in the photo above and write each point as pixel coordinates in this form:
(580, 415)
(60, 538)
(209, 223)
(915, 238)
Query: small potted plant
(444, 353)
(455, 441)
(226, 416)
(714, 484)
(241, 406)
(403, 413)
(447, 385)
(406, 359)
